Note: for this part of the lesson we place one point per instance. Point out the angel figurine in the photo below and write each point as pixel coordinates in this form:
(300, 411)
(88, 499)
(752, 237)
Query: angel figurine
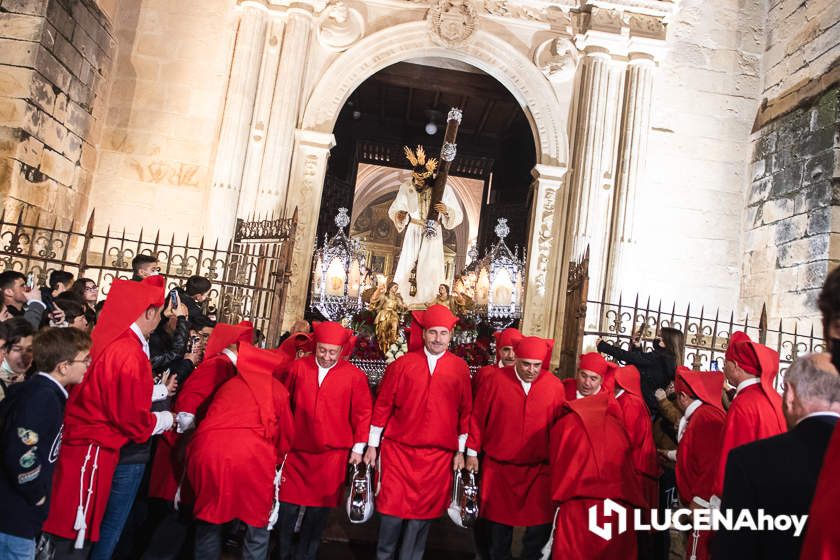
(389, 307)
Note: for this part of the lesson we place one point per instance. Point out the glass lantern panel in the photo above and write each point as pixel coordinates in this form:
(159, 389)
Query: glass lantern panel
(502, 287)
(354, 279)
(336, 278)
(482, 287)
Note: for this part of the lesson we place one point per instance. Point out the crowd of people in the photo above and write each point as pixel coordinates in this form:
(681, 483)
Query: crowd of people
(138, 427)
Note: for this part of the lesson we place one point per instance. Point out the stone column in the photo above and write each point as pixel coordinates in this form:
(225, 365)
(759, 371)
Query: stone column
(259, 121)
(236, 123)
(285, 108)
(547, 253)
(595, 144)
(309, 166)
(632, 158)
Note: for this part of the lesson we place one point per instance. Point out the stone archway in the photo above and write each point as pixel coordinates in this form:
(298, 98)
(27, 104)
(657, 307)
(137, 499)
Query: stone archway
(547, 247)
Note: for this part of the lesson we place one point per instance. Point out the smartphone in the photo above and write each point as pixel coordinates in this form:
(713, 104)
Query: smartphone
(30, 281)
(173, 298)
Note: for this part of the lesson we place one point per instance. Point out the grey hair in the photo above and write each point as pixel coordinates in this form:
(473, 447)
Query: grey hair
(815, 378)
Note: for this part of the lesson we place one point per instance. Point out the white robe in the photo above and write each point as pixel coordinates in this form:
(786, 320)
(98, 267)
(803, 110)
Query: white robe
(431, 267)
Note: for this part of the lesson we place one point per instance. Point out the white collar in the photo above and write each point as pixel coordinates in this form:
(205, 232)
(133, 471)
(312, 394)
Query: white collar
(747, 383)
(230, 354)
(819, 413)
(620, 392)
(432, 359)
(54, 380)
(578, 395)
(136, 330)
(689, 410)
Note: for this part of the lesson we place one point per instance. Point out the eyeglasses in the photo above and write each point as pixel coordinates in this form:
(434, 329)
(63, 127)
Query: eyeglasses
(86, 361)
(91, 288)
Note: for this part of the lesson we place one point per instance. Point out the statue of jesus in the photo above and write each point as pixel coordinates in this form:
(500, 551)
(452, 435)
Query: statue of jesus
(409, 211)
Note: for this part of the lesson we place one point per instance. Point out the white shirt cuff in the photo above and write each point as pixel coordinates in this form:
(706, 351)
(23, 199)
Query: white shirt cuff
(472, 452)
(462, 442)
(185, 421)
(359, 448)
(159, 392)
(375, 435)
(163, 423)
(672, 454)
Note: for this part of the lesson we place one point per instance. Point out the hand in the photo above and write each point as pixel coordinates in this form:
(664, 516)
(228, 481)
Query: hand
(458, 462)
(171, 382)
(441, 207)
(472, 464)
(660, 394)
(370, 456)
(56, 316)
(33, 295)
(401, 215)
(193, 356)
(355, 458)
(180, 311)
(636, 341)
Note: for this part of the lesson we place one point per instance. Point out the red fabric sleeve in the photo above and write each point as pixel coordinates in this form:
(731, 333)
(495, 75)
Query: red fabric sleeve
(285, 421)
(480, 412)
(466, 404)
(127, 396)
(386, 396)
(361, 407)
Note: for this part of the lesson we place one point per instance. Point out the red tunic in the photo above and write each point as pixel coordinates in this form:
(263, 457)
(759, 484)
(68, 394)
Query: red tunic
(591, 460)
(640, 429)
(329, 420)
(512, 429)
(193, 398)
(822, 539)
(697, 459)
(109, 408)
(231, 460)
(482, 374)
(751, 416)
(423, 415)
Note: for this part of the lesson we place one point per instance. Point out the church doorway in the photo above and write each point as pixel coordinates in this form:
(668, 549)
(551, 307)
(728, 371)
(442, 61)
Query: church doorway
(406, 104)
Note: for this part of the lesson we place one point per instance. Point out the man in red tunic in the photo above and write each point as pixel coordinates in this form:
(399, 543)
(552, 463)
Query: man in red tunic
(628, 395)
(505, 355)
(332, 407)
(589, 377)
(512, 414)
(233, 457)
(756, 410)
(423, 406)
(591, 461)
(699, 436)
(110, 408)
(168, 479)
(822, 539)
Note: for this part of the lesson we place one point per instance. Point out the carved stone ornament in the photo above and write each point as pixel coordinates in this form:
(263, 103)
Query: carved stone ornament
(453, 21)
(340, 26)
(557, 58)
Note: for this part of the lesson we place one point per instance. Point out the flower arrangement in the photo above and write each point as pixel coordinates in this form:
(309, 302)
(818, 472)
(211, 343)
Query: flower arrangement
(397, 349)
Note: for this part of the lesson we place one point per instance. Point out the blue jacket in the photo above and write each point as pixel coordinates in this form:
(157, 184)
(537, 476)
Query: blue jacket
(29, 444)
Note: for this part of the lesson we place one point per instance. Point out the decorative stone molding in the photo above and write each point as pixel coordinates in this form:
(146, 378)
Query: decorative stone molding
(453, 22)
(340, 26)
(558, 59)
(486, 51)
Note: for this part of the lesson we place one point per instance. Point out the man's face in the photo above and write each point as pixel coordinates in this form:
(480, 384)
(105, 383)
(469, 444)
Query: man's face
(17, 293)
(201, 298)
(682, 401)
(442, 290)
(149, 320)
(436, 339)
(327, 354)
(74, 371)
(507, 355)
(588, 382)
(2, 349)
(729, 371)
(148, 269)
(528, 370)
(20, 355)
(419, 183)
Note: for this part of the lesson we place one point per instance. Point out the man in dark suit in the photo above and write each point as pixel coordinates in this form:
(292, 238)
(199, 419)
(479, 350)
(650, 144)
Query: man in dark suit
(779, 474)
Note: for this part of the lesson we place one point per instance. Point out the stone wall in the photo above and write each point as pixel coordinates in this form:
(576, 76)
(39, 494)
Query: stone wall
(707, 92)
(792, 221)
(55, 57)
(163, 114)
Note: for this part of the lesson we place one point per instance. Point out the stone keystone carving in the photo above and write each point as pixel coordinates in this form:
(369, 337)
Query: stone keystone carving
(453, 21)
(340, 26)
(557, 58)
